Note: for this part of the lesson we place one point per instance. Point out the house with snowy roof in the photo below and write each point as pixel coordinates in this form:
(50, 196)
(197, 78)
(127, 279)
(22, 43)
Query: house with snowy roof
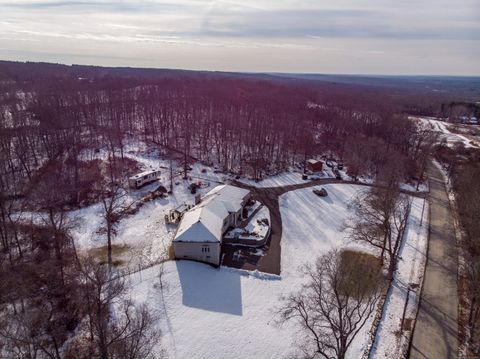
(200, 232)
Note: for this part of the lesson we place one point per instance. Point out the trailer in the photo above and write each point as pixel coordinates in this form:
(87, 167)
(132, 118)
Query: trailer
(143, 178)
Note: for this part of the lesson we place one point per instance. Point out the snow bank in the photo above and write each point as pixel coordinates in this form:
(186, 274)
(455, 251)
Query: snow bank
(409, 273)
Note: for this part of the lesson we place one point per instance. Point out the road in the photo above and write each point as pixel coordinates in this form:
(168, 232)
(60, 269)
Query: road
(270, 262)
(435, 333)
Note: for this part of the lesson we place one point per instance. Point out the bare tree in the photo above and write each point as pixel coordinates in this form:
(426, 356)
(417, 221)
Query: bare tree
(118, 329)
(333, 306)
(380, 220)
(114, 201)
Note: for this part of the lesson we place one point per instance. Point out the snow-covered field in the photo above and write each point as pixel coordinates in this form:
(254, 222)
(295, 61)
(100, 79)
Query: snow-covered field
(227, 313)
(409, 273)
(223, 313)
(442, 127)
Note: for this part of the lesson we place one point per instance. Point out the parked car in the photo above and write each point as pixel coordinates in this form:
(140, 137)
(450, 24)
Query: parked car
(193, 188)
(340, 166)
(322, 192)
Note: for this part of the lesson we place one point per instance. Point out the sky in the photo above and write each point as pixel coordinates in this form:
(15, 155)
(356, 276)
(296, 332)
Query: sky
(403, 37)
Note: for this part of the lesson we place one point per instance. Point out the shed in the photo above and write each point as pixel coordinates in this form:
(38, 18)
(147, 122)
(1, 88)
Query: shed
(314, 165)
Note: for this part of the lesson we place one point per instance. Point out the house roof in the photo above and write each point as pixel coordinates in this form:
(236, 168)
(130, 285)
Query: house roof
(204, 222)
(312, 161)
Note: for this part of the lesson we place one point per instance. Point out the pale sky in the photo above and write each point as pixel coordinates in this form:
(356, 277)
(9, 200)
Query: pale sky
(342, 36)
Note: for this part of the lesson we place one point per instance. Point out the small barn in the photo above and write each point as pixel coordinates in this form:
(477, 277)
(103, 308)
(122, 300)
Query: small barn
(201, 229)
(314, 165)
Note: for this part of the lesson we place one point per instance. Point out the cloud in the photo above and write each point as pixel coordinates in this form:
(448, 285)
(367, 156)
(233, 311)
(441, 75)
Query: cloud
(217, 29)
(89, 6)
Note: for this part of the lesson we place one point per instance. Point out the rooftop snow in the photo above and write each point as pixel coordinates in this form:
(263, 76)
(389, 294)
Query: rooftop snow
(204, 222)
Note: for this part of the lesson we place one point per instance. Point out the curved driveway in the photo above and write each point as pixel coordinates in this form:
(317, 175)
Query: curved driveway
(270, 262)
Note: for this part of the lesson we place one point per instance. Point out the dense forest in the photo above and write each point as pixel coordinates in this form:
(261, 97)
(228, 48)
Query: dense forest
(244, 124)
(252, 125)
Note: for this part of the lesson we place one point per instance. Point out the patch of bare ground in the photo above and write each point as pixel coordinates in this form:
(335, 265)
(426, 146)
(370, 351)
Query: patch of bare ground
(360, 267)
(118, 251)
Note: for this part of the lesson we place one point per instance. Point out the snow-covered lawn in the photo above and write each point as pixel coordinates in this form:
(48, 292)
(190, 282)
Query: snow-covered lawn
(409, 273)
(227, 313)
(145, 233)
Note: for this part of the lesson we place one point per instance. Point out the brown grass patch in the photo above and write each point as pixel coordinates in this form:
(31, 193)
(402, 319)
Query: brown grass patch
(100, 254)
(361, 273)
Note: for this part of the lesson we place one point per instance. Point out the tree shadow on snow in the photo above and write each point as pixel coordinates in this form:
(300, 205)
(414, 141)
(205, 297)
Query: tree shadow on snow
(207, 288)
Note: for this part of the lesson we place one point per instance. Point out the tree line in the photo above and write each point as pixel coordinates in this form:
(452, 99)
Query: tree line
(49, 117)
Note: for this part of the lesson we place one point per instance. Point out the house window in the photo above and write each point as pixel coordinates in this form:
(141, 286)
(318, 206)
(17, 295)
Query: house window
(205, 249)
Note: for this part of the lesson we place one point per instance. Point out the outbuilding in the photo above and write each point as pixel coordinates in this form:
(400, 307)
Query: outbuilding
(143, 178)
(314, 165)
(201, 229)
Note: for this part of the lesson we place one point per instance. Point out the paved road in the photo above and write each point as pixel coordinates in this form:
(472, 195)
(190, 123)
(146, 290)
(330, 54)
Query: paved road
(270, 262)
(435, 334)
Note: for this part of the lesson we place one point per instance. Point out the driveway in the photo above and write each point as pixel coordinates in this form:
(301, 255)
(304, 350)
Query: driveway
(270, 260)
(435, 333)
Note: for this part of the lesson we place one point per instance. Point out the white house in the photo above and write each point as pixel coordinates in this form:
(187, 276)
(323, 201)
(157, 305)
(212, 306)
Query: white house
(200, 232)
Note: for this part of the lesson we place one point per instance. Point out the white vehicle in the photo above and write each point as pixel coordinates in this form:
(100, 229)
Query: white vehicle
(140, 179)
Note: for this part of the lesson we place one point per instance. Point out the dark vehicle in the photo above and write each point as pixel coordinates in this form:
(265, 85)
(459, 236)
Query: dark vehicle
(340, 166)
(193, 188)
(322, 192)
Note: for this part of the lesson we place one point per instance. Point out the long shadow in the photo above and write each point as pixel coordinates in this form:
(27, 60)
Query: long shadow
(207, 288)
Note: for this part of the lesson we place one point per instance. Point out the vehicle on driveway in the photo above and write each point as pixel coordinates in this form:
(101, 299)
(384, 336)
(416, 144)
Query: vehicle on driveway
(322, 192)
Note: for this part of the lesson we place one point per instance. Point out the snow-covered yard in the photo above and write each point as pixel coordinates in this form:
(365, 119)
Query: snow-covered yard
(227, 313)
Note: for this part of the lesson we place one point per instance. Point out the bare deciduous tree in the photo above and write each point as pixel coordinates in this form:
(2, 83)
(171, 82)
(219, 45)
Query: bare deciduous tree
(333, 305)
(381, 216)
(129, 332)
